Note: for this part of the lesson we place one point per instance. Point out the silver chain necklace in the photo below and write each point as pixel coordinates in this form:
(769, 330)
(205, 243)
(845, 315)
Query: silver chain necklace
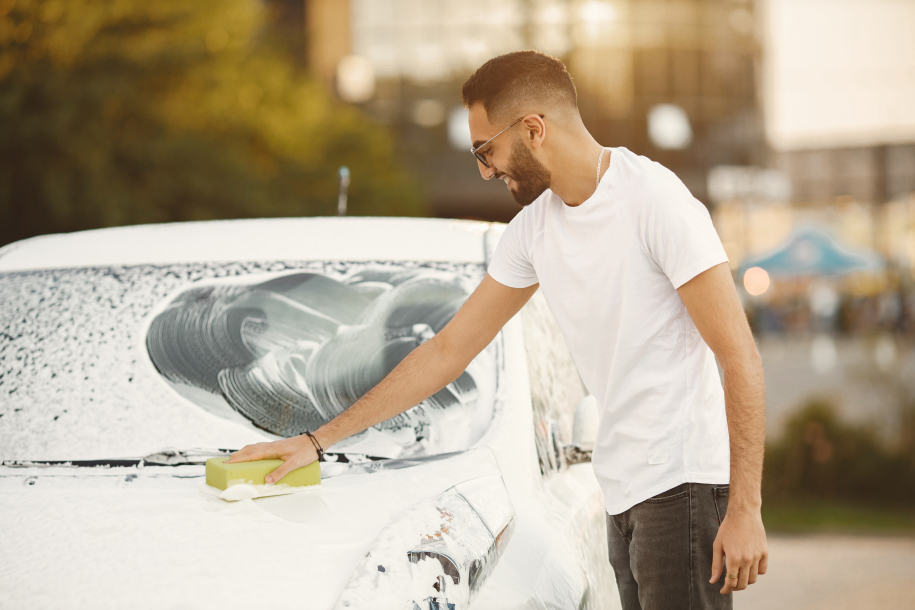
(599, 159)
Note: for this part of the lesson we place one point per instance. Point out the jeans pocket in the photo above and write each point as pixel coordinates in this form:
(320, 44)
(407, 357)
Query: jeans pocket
(720, 493)
(680, 491)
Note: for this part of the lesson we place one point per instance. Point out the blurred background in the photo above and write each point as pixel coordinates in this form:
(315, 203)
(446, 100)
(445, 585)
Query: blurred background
(792, 120)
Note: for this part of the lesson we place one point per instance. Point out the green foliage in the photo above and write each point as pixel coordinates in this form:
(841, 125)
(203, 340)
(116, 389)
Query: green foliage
(118, 112)
(821, 458)
(847, 517)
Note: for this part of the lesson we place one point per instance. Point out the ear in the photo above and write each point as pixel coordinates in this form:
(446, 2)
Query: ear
(533, 130)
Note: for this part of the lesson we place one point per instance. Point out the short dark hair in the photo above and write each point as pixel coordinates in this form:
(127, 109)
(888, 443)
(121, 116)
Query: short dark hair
(527, 80)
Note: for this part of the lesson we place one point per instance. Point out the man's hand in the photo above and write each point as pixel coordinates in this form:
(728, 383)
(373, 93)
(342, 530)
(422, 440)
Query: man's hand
(741, 540)
(295, 452)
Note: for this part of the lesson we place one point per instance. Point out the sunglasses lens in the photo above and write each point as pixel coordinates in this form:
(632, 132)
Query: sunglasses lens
(481, 159)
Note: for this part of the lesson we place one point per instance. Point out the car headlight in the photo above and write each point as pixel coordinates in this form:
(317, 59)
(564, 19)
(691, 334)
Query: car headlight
(436, 554)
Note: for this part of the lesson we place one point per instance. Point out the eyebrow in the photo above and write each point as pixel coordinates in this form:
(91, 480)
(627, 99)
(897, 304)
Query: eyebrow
(478, 143)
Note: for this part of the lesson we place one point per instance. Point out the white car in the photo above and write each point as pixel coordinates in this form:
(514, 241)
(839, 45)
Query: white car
(128, 356)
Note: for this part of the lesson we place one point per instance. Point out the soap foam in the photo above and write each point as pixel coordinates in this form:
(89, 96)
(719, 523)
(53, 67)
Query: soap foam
(248, 491)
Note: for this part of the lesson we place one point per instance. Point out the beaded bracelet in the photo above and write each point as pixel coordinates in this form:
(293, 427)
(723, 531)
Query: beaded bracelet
(314, 442)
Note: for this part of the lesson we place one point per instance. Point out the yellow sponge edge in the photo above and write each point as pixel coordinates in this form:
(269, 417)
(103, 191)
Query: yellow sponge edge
(223, 476)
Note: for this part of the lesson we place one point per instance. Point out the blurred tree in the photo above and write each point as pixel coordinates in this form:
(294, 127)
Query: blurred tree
(118, 112)
(820, 457)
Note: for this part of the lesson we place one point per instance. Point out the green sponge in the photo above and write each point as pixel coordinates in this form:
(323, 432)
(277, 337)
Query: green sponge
(222, 476)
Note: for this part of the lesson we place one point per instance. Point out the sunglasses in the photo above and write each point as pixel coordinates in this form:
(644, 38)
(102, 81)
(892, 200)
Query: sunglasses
(481, 157)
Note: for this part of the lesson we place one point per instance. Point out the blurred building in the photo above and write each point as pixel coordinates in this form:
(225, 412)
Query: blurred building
(674, 80)
(838, 90)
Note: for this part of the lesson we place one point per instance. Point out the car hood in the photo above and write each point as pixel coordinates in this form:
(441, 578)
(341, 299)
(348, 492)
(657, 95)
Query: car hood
(146, 537)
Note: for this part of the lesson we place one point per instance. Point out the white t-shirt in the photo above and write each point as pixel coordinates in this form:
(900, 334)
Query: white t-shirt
(609, 269)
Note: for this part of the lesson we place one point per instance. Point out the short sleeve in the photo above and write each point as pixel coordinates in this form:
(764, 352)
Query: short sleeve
(678, 232)
(511, 263)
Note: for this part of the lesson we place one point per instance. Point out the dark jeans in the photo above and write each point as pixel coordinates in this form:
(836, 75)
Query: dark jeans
(661, 549)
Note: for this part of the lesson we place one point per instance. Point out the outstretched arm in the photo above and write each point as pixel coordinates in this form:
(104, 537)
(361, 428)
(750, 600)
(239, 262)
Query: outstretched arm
(712, 302)
(425, 371)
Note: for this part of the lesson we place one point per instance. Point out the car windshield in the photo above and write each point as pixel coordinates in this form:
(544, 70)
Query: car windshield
(124, 361)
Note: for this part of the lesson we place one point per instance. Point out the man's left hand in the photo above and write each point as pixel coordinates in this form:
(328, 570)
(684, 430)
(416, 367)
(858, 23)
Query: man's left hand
(741, 545)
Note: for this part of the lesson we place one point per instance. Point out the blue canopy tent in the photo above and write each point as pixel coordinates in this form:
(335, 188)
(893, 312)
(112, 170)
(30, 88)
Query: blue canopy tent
(812, 252)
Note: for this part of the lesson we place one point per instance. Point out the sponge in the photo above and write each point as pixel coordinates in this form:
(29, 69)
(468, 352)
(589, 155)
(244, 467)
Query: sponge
(222, 476)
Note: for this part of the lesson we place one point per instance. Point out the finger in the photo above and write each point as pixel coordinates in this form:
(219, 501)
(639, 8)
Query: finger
(250, 453)
(764, 562)
(277, 475)
(716, 562)
(744, 577)
(238, 456)
(242, 455)
(730, 583)
(753, 573)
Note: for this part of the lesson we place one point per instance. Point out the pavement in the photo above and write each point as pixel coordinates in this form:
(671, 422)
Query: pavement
(819, 572)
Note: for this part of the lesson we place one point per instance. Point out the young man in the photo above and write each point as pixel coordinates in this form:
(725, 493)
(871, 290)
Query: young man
(637, 279)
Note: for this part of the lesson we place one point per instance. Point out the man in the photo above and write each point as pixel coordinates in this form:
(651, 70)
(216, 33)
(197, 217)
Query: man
(636, 277)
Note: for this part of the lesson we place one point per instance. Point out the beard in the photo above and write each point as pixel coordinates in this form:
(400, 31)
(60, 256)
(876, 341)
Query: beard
(529, 174)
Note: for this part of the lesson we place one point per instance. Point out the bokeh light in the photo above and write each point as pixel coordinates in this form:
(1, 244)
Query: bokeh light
(668, 127)
(756, 281)
(355, 79)
(459, 128)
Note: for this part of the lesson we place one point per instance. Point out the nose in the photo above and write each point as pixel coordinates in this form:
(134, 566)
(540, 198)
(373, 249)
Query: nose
(486, 172)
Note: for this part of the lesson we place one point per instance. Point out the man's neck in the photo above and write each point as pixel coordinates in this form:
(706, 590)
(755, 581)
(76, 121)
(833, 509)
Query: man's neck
(573, 173)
